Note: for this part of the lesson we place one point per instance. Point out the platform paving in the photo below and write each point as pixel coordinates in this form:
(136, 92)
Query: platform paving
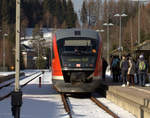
(134, 99)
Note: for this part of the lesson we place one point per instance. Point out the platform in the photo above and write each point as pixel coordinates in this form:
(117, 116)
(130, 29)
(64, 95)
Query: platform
(8, 77)
(134, 99)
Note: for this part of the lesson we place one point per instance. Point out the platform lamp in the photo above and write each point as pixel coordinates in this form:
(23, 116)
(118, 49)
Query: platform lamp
(139, 18)
(108, 25)
(120, 34)
(16, 95)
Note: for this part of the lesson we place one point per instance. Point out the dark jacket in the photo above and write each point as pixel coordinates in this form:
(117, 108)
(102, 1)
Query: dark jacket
(124, 65)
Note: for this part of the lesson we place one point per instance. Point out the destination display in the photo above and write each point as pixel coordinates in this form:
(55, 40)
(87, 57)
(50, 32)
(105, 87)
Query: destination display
(78, 60)
(77, 43)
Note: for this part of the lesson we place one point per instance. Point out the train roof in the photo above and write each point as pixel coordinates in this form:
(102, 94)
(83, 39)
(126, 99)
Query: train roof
(65, 33)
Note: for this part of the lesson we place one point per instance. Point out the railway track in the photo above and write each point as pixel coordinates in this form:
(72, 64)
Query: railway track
(8, 84)
(67, 106)
(102, 106)
(7, 95)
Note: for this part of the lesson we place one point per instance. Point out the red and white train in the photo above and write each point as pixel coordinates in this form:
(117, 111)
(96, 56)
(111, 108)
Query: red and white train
(76, 60)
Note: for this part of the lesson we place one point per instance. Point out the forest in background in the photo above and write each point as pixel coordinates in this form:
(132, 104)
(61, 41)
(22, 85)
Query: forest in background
(34, 13)
(61, 14)
(104, 11)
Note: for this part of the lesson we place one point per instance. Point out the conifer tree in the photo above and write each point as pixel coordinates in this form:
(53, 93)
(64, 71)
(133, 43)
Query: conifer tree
(52, 7)
(83, 14)
(0, 12)
(59, 14)
(12, 11)
(71, 15)
(4, 11)
(64, 5)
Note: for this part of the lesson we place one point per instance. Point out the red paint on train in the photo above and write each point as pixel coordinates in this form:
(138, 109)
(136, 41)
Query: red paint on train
(56, 67)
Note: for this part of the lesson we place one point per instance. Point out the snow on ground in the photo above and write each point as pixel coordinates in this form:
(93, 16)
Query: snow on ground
(8, 89)
(85, 108)
(6, 73)
(27, 72)
(44, 102)
(37, 102)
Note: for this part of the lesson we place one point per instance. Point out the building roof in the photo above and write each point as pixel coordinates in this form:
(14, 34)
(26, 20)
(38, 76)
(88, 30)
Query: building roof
(47, 33)
(143, 46)
(26, 48)
(65, 33)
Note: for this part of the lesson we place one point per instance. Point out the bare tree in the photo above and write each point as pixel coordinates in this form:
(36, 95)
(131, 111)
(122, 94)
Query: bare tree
(47, 18)
(24, 25)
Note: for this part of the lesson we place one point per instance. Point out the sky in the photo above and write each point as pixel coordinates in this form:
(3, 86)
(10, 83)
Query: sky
(77, 4)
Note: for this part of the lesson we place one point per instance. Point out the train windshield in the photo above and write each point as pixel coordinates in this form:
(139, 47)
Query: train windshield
(77, 52)
(77, 46)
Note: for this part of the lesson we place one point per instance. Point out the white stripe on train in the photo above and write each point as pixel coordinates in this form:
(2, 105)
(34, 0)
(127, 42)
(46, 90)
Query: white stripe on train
(58, 77)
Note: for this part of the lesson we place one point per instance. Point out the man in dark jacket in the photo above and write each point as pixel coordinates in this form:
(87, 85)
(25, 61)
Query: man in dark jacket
(115, 68)
(124, 69)
(105, 64)
(142, 70)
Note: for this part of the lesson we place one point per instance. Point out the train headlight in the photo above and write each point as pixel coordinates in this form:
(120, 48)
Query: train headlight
(91, 65)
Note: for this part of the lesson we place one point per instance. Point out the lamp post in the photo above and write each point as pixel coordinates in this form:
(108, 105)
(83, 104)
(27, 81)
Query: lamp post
(4, 54)
(120, 41)
(108, 25)
(139, 20)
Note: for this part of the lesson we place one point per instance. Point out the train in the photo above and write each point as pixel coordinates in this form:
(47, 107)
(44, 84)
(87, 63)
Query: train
(76, 60)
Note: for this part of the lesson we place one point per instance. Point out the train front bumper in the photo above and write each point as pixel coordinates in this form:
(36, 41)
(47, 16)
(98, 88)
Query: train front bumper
(61, 86)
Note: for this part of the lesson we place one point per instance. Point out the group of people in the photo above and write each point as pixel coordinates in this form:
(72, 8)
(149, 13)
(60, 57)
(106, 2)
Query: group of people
(126, 69)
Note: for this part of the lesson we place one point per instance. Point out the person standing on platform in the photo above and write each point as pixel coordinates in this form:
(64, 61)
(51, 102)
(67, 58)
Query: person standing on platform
(124, 69)
(142, 70)
(105, 64)
(136, 71)
(131, 72)
(114, 68)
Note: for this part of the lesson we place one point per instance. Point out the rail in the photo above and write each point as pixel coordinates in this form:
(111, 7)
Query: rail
(4, 97)
(66, 105)
(97, 102)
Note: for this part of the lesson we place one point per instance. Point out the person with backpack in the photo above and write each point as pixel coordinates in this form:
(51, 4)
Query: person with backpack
(142, 70)
(124, 70)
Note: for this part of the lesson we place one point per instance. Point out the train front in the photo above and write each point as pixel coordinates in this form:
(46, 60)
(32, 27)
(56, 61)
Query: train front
(76, 63)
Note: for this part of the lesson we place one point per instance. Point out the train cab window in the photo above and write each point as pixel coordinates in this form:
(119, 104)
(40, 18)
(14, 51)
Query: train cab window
(81, 50)
(78, 45)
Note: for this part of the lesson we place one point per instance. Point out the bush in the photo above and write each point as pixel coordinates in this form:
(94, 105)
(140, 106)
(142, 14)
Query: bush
(40, 63)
